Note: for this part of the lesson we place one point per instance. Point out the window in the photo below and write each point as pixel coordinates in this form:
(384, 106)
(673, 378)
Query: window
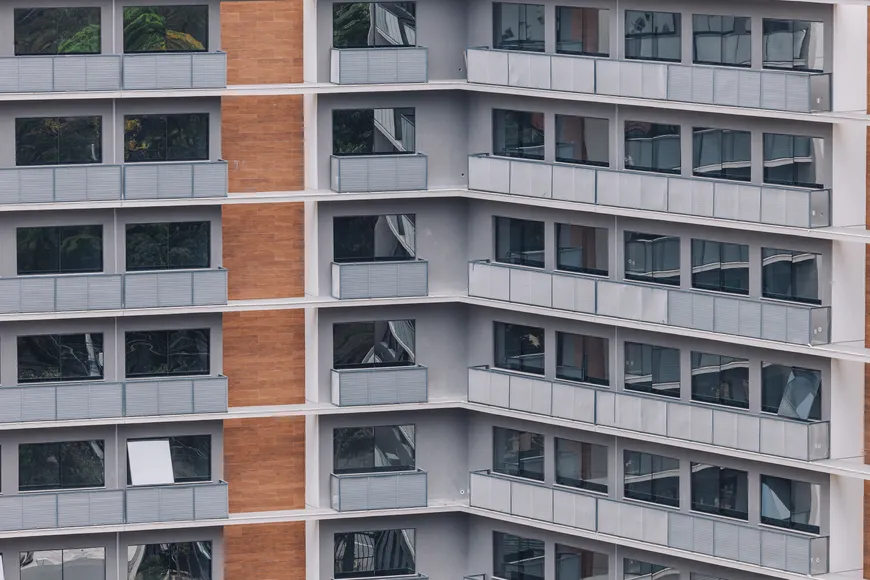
(720, 266)
(583, 140)
(793, 44)
(374, 238)
(188, 560)
(57, 30)
(518, 26)
(579, 564)
(790, 275)
(652, 35)
(166, 353)
(66, 465)
(60, 250)
(168, 246)
(652, 369)
(69, 564)
(582, 358)
(58, 140)
(519, 242)
(791, 392)
(584, 31)
(723, 380)
(373, 449)
(652, 478)
(722, 40)
(787, 503)
(374, 24)
(385, 343)
(652, 258)
(519, 348)
(518, 134)
(183, 459)
(166, 28)
(640, 570)
(516, 558)
(581, 249)
(582, 465)
(720, 491)
(518, 453)
(652, 147)
(792, 160)
(179, 137)
(721, 154)
(375, 554)
(60, 357)
(373, 131)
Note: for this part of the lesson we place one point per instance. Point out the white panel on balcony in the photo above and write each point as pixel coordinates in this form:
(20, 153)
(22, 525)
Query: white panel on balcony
(531, 287)
(702, 84)
(174, 71)
(655, 81)
(574, 293)
(478, 386)
(574, 509)
(150, 462)
(39, 405)
(488, 67)
(40, 511)
(35, 75)
(489, 174)
(488, 281)
(573, 74)
(528, 70)
(749, 90)
(726, 86)
(533, 179)
(531, 395)
(773, 91)
(573, 183)
(573, 402)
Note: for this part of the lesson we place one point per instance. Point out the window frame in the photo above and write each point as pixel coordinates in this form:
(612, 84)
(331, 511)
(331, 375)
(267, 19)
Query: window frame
(528, 136)
(599, 566)
(529, 233)
(172, 456)
(585, 340)
(793, 276)
(204, 332)
(739, 170)
(204, 42)
(746, 20)
(502, 361)
(32, 555)
(655, 36)
(528, 549)
(814, 413)
(697, 358)
(65, 124)
(524, 45)
(62, 234)
(405, 430)
(172, 555)
(56, 37)
(655, 354)
(60, 452)
(735, 475)
(587, 455)
(655, 253)
(656, 465)
(585, 11)
(521, 442)
(198, 120)
(165, 247)
(791, 524)
(359, 226)
(652, 139)
(375, 536)
(791, 22)
(408, 352)
(769, 148)
(560, 126)
(62, 346)
(699, 254)
(585, 232)
(402, 26)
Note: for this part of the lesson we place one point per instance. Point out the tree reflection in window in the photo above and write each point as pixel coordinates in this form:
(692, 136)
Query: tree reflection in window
(163, 353)
(66, 465)
(59, 249)
(373, 131)
(179, 137)
(58, 140)
(165, 28)
(179, 561)
(60, 357)
(168, 246)
(57, 30)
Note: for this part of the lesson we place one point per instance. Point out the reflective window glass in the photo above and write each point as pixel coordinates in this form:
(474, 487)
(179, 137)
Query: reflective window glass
(579, 564)
(517, 134)
(652, 369)
(720, 266)
(793, 44)
(374, 554)
(383, 343)
(60, 357)
(373, 131)
(69, 564)
(518, 453)
(516, 558)
(652, 35)
(518, 26)
(581, 249)
(793, 160)
(723, 380)
(374, 238)
(74, 30)
(652, 258)
(374, 24)
(581, 465)
(165, 353)
(176, 561)
(519, 242)
(652, 478)
(584, 31)
(168, 246)
(791, 504)
(583, 140)
(59, 249)
(720, 491)
(721, 154)
(373, 449)
(582, 358)
(519, 348)
(790, 275)
(178, 137)
(722, 40)
(58, 140)
(190, 456)
(652, 147)
(66, 465)
(175, 28)
(791, 392)
(639, 570)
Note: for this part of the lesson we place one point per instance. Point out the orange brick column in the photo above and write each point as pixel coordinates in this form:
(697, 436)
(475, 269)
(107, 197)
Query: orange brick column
(265, 551)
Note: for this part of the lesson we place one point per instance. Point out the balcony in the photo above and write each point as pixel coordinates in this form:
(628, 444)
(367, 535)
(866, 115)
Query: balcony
(79, 183)
(718, 199)
(104, 507)
(767, 434)
(697, 310)
(768, 547)
(380, 386)
(362, 173)
(62, 73)
(380, 279)
(378, 491)
(192, 70)
(382, 65)
(78, 292)
(709, 85)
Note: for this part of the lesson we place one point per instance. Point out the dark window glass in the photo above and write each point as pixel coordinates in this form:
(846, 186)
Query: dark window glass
(787, 503)
(720, 266)
(583, 31)
(518, 26)
(652, 369)
(652, 258)
(373, 131)
(792, 160)
(60, 357)
(182, 560)
(791, 392)
(640, 570)
(373, 449)
(60, 250)
(652, 478)
(168, 246)
(519, 242)
(652, 35)
(582, 465)
(723, 380)
(166, 353)
(582, 358)
(166, 28)
(579, 564)
(375, 24)
(58, 140)
(721, 491)
(67, 465)
(584, 140)
(191, 458)
(722, 40)
(652, 147)
(518, 134)
(518, 453)
(57, 30)
(384, 343)
(581, 249)
(179, 137)
(69, 564)
(722, 154)
(374, 554)
(519, 348)
(516, 558)
(374, 238)
(793, 44)
(790, 275)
